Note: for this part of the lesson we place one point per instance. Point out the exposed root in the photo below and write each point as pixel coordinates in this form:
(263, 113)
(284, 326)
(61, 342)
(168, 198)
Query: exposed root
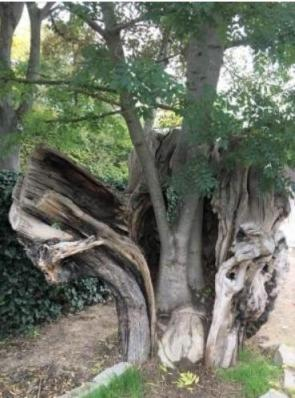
(183, 338)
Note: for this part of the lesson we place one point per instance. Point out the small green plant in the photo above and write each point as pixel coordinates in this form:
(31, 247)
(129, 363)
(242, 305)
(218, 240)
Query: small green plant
(187, 380)
(129, 385)
(254, 372)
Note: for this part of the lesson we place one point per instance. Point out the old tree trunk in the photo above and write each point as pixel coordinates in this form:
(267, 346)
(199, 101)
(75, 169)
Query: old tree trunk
(73, 225)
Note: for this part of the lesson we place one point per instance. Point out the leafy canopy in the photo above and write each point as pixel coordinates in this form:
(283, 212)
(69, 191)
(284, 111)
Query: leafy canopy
(251, 120)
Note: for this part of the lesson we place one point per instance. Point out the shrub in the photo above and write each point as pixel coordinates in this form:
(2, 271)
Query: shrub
(26, 299)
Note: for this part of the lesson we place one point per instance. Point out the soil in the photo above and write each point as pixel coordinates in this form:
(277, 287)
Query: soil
(64, 354)
(162, 384)
(61, 355)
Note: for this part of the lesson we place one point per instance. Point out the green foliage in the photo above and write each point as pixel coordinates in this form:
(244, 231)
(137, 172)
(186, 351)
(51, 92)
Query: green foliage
(255, 373)
(262, 105)
(168, 119)
(251, 123)
(196, 176)
(148, 82)
(173, 204)
(128, 385)
(26, 299)
(102, 147)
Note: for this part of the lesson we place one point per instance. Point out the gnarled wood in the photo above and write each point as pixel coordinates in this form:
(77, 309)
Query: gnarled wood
(250, 257)
(183, 337)
(245, 286)
(73, 225)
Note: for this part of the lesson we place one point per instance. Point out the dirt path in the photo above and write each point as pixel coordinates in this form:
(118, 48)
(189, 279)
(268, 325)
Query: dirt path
(61, 356)
(280, 327)
(75, 348)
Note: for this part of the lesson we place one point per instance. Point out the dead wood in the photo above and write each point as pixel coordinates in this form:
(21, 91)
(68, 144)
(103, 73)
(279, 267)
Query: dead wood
(73, 225)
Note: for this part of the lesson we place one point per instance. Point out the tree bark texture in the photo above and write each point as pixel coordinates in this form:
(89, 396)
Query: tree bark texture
(73, 225)
(242, 249)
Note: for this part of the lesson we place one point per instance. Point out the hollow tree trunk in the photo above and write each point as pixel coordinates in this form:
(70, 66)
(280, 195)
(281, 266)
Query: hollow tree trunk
(72, 225)
(250, 257)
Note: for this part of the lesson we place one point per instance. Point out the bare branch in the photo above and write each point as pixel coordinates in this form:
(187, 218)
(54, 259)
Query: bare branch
(57, 82)
(166, 107)
(84, 118)
(59, 32)
(90, 22)
(128, 24)
(145, 156)
(237, 43)
(94, 95)
(167, 58)
(47, 9)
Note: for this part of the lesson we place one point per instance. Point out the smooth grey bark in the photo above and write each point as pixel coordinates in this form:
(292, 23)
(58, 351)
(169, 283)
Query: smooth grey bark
(10, 14)
(195, 269)
(11, 116)
(204, 60)
(113, 40)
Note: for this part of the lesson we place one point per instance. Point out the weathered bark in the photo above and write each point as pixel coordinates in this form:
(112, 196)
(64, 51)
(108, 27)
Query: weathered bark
(243, 299)
(250, 257)
(72, 225)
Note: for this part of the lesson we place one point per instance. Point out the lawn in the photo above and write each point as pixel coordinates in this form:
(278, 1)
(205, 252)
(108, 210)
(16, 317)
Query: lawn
(255, 372)
(129, 385)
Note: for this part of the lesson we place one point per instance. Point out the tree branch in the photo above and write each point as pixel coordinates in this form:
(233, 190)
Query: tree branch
(76, 9)
(94, 95)
(167, 58)
(145, 156)
(166, 107)
(55, 82)
(46, 10)
(236, 43)
(84, 118)
(128, 24)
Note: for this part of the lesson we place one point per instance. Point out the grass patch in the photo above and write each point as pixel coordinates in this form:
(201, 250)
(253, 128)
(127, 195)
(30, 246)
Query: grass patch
(129, 385)
(254, 372)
